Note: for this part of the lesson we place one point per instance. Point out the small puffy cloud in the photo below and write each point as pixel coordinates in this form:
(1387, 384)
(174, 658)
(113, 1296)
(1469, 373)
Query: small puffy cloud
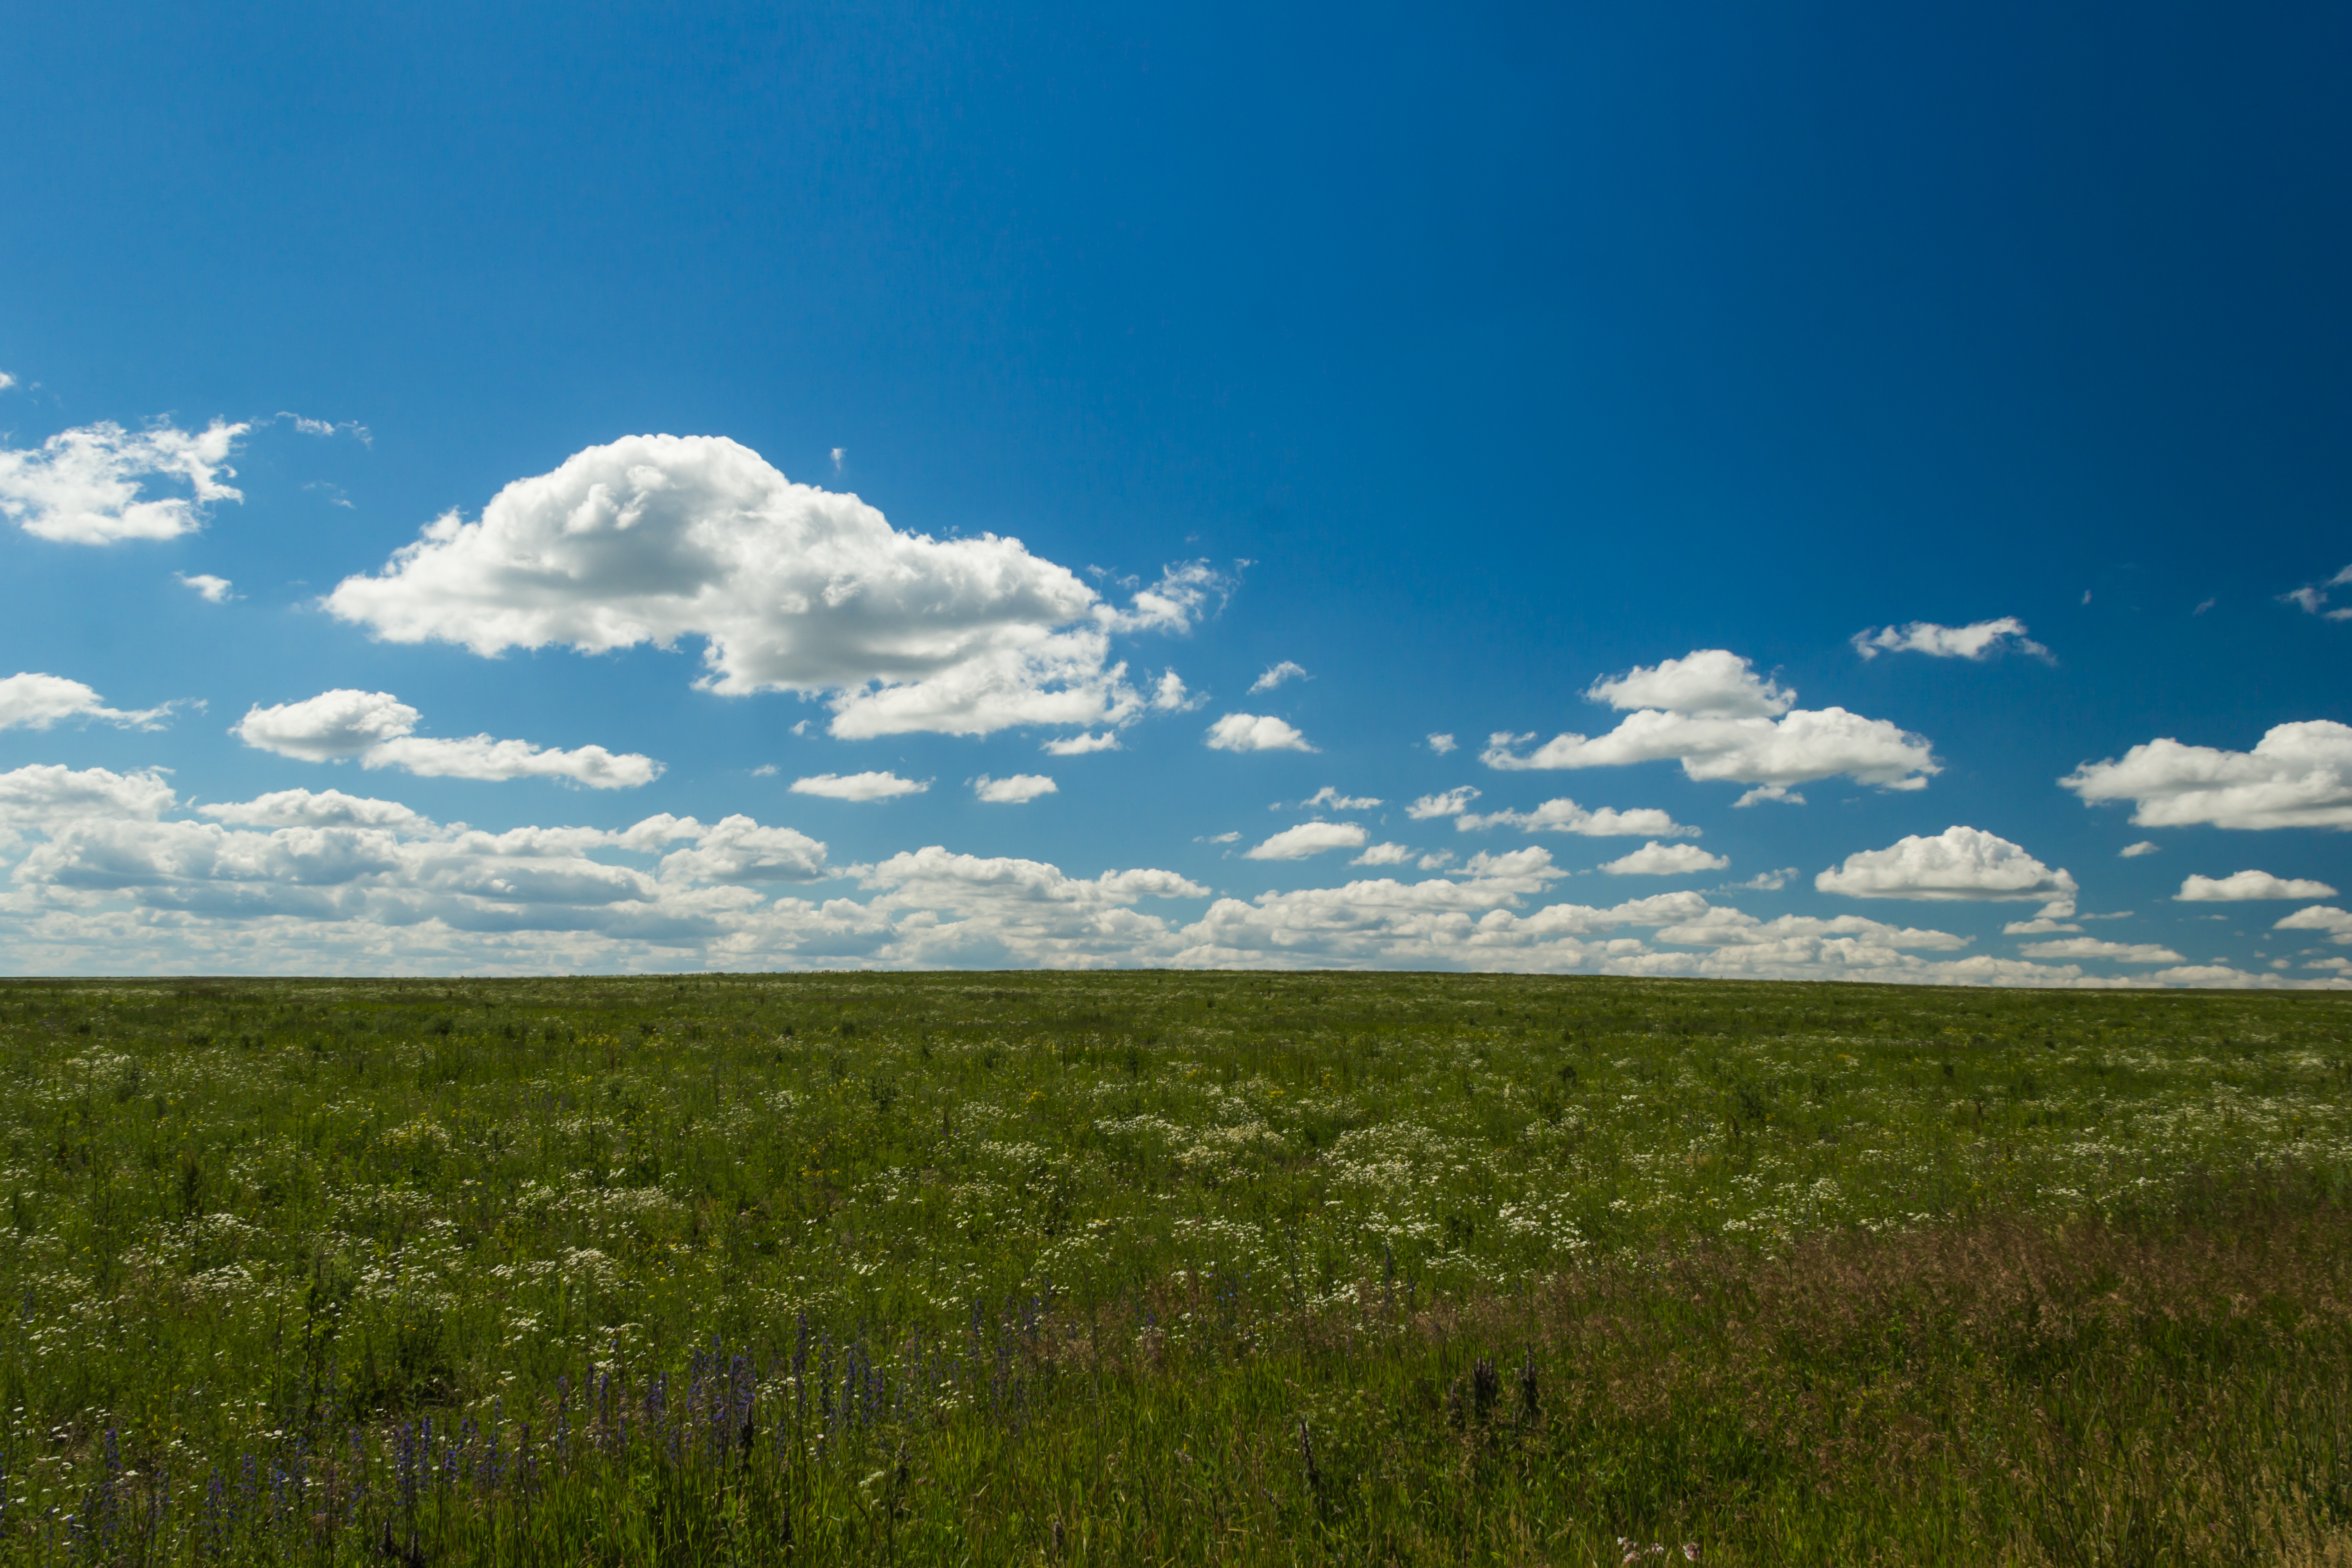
(376, 727)
(1450, 803)
(1763, 793)
(1706, 683)
(1564, 815)
(1308, 838)
(82, 486)
(2336, 922)
(1170, 696)
(6, 381)
(1771, 882)
(1081, 744)
(1015, 790)
(2247, 885)
(1254, 733)
(1276, 674)
(2092, 947)
(1384, 855)
(2039, 925)
(859, 786)
(323, 809)
(1232, 837)
(1730, 725)
(1328, 798)
(2133, 851)
(211, 589)
(327, 728)
(2312, 598)
(1959, 863)
(1977, 640)
(1179, 600)
(2297, 776)
(1440, 744)
(790, 588)
(1656, 860)
(35, 702)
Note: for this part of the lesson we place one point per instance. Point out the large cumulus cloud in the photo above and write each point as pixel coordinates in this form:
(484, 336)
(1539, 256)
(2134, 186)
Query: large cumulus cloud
(2297, 776)
(651, 539)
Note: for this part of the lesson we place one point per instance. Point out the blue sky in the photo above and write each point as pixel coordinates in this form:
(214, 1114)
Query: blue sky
(1910, 451)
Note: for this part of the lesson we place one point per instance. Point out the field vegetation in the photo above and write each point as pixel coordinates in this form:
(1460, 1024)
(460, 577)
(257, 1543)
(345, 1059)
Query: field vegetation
(1149, 1268)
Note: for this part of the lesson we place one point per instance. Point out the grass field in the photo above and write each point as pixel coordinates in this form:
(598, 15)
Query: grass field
(1171, 1269)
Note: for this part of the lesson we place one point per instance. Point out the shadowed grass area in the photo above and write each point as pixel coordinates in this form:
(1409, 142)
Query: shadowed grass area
(1172, 1267)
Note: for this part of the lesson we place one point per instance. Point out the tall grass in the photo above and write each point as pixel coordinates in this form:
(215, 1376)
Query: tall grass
(1152, 1268)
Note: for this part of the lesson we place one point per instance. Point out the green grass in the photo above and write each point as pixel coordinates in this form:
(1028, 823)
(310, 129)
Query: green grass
(1156, 1268)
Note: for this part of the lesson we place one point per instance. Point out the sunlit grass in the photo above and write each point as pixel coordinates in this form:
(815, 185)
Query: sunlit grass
(1167, 1268)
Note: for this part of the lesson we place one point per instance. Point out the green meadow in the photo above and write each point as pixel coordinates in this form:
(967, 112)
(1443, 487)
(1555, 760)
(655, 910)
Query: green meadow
(1171, 1269)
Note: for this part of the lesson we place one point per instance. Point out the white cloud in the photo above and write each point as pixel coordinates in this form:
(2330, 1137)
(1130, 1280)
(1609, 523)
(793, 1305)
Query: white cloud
(82, 486)
(494, 761)
(1232, 837)
(1729, 724)
(1451, 802)
(309, 426)
(314, 883)
(1564, 815)
(738, 851)
(1959, 863)
(1254, 733)
(1384, 855)
(1328, 798)
(1013, 790)
(2039, 925)
(2336, 922)
(1437, 861)
(1977, 640)
(1479, 921)
(1706, 683)
(45, 792)
(2223, 977)
(1170, 696)
(35, 702)
(859, 786)
(1276, 674)
(376, 728)
(2312, 598)
(791, 588)
(1308, 838)
(1656, 860)
(2133, 851)
(2244, 885)
(321, 808)
(2297, 776)
(1763, 793)
(330, 727)
(211, 589)
(6, 381)
(1720, 927)
(2091, 947)
(1762, 882)
(1440, 744)
(1080, 745)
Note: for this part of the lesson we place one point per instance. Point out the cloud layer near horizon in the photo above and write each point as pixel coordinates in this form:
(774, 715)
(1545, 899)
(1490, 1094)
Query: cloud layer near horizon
(115, 867)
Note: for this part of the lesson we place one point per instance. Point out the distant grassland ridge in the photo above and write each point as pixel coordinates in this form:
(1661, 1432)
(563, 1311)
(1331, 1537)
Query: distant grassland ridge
(1153, 1267)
